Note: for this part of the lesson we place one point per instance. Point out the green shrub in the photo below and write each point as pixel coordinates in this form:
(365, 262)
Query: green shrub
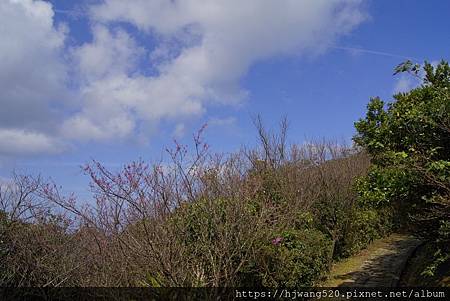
(351, 224)
(4, 249)
(366, 225)
(217, 238)
(409, 142)
(294, 258)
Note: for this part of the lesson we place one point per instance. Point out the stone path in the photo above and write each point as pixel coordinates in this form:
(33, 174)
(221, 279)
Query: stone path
(380, 266)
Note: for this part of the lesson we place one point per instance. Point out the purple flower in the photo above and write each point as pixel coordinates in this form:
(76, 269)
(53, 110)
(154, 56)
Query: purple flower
(277, 240)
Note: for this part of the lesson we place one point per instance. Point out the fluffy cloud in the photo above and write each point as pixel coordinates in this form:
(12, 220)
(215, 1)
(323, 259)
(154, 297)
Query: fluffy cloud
(110, 53)
(199, 51)
(21, 142)
(234, 34)
(203, 51)
(32, 76)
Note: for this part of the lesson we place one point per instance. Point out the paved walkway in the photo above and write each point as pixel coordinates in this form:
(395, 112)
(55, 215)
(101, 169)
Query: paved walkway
(379, 266)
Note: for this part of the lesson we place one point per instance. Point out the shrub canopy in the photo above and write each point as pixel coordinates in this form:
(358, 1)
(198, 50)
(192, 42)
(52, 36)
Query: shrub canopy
(409, 144)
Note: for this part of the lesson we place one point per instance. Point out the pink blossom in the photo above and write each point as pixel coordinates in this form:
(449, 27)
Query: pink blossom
(277, 240)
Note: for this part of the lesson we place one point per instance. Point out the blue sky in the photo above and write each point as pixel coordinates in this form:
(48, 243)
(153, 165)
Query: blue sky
(118, 80)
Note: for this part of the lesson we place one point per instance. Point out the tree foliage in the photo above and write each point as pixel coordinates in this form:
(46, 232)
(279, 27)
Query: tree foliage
(409, 143)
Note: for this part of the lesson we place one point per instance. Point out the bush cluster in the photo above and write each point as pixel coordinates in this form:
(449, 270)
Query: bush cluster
(409, 143)
(271, 216)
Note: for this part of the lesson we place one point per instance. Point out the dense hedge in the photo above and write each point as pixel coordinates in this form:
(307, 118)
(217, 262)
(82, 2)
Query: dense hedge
(409, 143)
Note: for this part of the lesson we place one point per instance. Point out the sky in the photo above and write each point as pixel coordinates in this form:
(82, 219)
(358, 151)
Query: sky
(117, 81)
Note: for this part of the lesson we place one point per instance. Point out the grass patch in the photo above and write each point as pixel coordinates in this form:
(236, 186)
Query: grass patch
(341, 272)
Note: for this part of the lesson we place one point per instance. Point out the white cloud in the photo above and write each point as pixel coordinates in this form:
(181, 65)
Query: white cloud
(116, 96)
(32, 74)
(31, 69)
(204, 49)
(199, 49)
(109, 54)
(20, 142)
